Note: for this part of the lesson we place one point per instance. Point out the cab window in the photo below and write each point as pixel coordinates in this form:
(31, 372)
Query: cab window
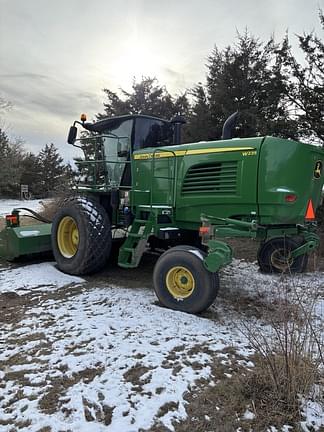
(152, 133)
(117, 141)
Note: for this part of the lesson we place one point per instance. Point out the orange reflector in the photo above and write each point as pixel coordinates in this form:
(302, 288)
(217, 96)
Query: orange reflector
(310, 214)
(204, 230)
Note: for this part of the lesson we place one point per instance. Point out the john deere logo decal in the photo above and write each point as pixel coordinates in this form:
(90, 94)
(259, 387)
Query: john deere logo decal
(318, 169)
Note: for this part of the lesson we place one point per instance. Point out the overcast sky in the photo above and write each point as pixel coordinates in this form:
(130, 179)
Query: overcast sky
(57, 56)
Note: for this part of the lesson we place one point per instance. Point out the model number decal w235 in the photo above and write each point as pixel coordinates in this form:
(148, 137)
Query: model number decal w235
(249, 153)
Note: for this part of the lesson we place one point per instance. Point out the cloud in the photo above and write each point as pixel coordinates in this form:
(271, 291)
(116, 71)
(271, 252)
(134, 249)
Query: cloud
(57, 56)
(37, 92)
(25, 75)
(172, 73)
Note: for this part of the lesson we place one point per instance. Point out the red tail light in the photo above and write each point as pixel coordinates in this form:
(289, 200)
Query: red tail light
(12, 219)
(290, 198)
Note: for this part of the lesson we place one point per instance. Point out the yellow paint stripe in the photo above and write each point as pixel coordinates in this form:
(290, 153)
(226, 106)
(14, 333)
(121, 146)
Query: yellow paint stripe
(166, 154)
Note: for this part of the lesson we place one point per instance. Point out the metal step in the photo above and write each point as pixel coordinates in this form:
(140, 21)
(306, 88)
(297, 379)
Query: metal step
(128, 249)
(134, 235)
(134, 246)
(140, 221)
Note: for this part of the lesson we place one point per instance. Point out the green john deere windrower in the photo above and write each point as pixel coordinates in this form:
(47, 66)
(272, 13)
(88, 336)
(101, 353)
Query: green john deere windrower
(184, 199)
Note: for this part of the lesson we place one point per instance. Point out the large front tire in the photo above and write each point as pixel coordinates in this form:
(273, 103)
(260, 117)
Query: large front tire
(81, 237)
(181, 281)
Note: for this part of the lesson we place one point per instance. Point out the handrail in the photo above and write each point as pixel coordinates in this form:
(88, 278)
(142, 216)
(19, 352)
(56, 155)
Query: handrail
(173, 197)
(98, 149)
(96, 137)
(89, 161)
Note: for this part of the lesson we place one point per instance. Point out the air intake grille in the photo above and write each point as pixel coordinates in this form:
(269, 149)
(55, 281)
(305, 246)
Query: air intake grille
(214, 178)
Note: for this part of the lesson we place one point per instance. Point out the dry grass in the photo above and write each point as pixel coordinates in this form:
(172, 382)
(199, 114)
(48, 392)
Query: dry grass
(51, 207)
(289, 356)
(274, 387)
(288, 363)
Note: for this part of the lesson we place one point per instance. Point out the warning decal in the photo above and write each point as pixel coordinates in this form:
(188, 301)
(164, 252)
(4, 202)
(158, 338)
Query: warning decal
(318, 169)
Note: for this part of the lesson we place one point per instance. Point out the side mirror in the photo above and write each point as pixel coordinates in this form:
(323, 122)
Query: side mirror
(72, 135)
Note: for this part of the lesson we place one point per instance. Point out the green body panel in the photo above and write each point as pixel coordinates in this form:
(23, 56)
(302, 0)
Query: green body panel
(159, 180)
(26, 240)
(287, 167)
(245, 179)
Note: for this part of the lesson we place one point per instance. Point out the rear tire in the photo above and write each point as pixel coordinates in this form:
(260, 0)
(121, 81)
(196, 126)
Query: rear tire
(181, 281)
(81, 236)
(274, 256)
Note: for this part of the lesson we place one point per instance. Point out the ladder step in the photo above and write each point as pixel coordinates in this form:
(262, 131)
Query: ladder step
(135, 235)
(127, 265)
(126, 249)
(141, 221)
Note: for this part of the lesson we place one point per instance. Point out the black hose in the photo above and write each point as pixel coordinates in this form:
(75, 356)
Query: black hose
(35, 215)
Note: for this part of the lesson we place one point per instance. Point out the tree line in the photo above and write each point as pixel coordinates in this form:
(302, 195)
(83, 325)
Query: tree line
(44, 173)
(276, 91)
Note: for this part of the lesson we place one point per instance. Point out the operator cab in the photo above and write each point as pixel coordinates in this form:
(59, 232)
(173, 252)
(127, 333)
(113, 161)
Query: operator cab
(142, 131)
(113, 140)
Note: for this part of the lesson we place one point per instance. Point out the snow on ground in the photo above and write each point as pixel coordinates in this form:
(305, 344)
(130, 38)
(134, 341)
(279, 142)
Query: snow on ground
(113, 357)
(307, 288)
(107, 358)
(6, 206)
(43, 276)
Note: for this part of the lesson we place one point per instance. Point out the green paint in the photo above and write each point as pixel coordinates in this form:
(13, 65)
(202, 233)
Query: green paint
(15, 242)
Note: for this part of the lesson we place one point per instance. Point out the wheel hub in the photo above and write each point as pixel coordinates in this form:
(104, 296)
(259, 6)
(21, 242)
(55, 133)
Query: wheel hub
(68, 237)
(180, 282)
(281, 259)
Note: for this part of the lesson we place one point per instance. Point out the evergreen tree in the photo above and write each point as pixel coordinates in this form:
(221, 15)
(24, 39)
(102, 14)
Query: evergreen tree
(199, 124)
(52, 170)
(146, 97)
(31, 174)
(10, 162)
(304, 87)
(244, 77)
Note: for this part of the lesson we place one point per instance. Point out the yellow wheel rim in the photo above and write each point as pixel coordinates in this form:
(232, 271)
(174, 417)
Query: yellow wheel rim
(68, 237)
(281, 259)
(180, 282)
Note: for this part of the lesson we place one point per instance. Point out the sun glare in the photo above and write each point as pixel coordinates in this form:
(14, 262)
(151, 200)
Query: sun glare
(135, 60)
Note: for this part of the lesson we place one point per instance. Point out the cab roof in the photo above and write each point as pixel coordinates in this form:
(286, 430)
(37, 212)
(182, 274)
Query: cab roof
(110, 122)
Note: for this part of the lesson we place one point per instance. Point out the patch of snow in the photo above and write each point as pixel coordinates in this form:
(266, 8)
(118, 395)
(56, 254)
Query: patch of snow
(245, 277)
(142, 357)
(145, 357)
(6, 206)
(42, 276)
(248, 415)
(313, 411)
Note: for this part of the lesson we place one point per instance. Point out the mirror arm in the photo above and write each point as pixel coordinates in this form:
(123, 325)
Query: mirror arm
(77, 122)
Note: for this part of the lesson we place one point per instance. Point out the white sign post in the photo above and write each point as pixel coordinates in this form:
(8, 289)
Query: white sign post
(24, 192)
